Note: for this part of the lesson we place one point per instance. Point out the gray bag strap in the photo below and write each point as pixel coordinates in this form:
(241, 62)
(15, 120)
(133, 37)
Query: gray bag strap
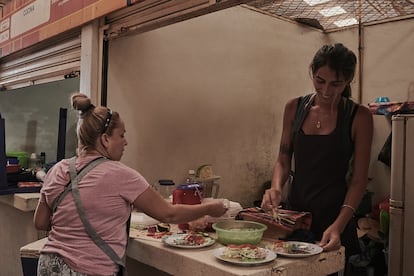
(75, 178)
(81, 174)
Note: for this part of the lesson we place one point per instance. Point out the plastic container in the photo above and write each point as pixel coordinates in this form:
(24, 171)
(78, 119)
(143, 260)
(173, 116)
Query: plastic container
(165, 187)
(210, 187)
(382, 100)
(12, 161)
(239, 231)
(22, 156)
(189, 194)
(34, 162)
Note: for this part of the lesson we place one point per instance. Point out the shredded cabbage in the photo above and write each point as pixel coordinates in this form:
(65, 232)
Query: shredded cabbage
(244, 253)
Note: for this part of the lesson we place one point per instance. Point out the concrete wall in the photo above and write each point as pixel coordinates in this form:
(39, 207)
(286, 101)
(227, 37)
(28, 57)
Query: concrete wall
(388, 71)
(212, 90)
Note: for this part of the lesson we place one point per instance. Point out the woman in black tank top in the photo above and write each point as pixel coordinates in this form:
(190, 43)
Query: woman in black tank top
(322, 158)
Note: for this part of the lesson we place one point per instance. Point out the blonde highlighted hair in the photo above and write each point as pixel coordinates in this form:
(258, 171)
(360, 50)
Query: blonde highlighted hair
(93, 122)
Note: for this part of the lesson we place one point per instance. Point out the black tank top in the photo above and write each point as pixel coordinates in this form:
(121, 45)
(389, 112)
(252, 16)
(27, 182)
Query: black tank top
(319, 184)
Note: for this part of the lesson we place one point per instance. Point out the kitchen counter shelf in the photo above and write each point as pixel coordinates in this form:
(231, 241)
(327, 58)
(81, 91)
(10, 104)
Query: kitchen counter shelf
(202, 261)
(192, 262)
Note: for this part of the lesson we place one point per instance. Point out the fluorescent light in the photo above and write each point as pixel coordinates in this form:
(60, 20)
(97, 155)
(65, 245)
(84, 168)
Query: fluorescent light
(332, 11)
(346, 22)
(315, 2)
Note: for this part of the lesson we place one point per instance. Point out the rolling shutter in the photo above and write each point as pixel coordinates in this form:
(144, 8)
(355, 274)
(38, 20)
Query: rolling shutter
(148, 15)
(55, 60)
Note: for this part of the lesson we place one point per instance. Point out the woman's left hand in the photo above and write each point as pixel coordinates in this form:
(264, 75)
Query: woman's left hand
(331, 239)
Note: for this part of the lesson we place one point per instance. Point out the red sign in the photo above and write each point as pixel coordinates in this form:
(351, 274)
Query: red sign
(26, 22)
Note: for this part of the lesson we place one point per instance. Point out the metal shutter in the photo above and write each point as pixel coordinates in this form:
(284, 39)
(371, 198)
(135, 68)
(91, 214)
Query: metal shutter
(148, 15)
(55, 60)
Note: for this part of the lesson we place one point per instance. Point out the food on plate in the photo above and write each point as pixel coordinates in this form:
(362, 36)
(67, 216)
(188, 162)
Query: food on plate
(158, 235)
(163, 227)
(291, 248)
(204, 171)
(141, 221)
(244, 252)
(191, 239)
(154, 232)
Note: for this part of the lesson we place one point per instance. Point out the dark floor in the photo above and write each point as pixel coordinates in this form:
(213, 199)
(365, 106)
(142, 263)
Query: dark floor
(376, 267)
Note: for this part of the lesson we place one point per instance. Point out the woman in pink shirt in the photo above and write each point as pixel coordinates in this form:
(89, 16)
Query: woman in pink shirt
(108, 193)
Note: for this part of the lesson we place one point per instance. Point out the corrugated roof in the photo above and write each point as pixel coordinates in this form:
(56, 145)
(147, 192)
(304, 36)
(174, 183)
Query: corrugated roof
(348, 11)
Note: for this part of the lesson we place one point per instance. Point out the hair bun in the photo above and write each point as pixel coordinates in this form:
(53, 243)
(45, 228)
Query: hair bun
(81, 102)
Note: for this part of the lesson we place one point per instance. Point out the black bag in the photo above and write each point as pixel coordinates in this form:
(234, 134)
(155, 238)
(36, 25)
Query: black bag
(385, 154)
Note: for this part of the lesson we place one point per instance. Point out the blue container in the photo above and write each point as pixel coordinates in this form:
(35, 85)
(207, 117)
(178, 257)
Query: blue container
(382, 100)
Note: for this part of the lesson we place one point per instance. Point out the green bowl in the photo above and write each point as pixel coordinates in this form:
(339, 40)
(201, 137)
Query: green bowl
(239, 231)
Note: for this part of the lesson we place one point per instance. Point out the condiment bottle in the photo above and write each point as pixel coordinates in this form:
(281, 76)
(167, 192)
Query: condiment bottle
(34, 162)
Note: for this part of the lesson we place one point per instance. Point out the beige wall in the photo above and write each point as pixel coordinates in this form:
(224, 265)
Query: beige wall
(388, 71)
(212, 90)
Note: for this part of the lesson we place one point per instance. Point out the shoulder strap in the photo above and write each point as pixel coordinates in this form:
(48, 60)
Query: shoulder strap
(89, 229)
(350, 109)
(304, 105)
(81, 173)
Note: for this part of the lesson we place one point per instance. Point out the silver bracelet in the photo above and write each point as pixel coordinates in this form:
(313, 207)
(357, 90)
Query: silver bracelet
(348, 206)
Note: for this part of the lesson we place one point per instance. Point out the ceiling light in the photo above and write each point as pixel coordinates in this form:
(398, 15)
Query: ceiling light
(346, 22)
(315, 2)
(332, 11)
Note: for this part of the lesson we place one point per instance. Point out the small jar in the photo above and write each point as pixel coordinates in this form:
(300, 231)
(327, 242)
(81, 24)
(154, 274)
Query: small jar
(165, 187)
(34, 162)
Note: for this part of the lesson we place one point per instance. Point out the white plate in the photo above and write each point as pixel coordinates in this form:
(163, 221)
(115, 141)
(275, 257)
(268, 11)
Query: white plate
(140, 220)
(310, 248)
(172, 241)
(270, 256)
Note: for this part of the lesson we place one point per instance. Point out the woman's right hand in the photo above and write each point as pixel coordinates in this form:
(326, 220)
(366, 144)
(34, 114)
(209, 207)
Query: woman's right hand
(271, 199)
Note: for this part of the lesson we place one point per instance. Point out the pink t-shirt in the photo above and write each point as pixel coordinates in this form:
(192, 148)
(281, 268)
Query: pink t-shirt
(107, 193)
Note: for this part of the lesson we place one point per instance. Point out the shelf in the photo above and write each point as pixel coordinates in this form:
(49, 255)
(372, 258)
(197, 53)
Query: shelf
(391, 108)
